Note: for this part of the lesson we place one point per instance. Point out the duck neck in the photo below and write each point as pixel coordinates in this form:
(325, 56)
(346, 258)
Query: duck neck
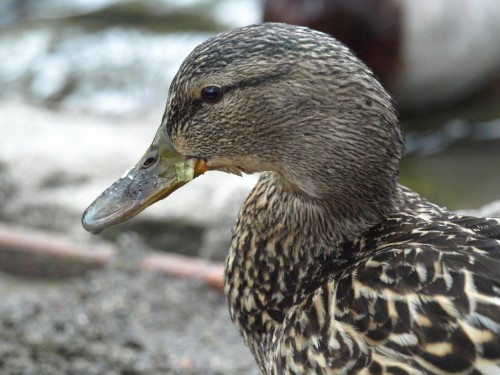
(285, 245)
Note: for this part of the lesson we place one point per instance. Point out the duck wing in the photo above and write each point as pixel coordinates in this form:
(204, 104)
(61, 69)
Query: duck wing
(424, 300)
(414, 204)
(486, 227)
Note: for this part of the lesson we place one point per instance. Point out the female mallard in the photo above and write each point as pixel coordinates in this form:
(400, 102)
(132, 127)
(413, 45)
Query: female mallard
(333, 267)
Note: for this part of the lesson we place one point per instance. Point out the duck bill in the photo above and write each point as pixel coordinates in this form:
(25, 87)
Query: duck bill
(160, 171)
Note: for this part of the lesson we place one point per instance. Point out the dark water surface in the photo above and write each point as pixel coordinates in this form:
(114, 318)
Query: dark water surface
(453, 156)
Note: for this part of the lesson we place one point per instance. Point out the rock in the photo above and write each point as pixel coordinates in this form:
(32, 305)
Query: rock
(491, 209)
(118, 320)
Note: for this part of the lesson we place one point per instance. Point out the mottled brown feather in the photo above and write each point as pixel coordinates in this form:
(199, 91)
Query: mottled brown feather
(334, 268)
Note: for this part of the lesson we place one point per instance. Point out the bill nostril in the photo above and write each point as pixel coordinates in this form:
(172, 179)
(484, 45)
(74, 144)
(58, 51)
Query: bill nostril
(149, 162)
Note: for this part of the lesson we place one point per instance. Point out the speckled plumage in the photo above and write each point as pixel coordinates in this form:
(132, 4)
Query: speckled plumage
(334, 268)
(416, 294)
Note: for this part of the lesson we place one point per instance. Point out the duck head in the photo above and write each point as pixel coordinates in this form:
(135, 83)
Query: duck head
(270, 97)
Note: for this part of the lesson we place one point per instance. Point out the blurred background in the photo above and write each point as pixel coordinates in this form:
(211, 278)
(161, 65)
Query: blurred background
(82, 91)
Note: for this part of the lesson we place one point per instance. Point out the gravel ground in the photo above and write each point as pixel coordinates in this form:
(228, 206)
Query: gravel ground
(118, 320)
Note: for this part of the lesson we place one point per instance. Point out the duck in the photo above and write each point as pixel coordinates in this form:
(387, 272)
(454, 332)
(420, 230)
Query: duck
(429, 54)
(334, 267)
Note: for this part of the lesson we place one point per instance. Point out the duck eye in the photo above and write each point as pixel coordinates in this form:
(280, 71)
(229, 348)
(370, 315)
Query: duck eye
(211, 94)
